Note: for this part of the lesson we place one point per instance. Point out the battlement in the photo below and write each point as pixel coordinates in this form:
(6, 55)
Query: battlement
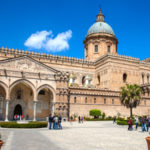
(18, 52)
(128, 58)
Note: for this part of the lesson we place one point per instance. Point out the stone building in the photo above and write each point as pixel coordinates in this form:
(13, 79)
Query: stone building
(36, 84)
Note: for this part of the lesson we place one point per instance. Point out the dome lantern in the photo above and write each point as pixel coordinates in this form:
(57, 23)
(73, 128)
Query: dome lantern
(100, 26)
(100, 17)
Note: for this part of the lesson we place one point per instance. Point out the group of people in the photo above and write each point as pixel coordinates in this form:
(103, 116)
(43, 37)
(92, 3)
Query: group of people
(54, 122)
(18, 117)
(80, 119)
(145, 123)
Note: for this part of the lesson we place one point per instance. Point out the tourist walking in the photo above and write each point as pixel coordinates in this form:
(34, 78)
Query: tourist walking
(18, 117)
(79, 119)
(149, 121)
(55, 121)
(59, 122)
(143, 124)
(71, 119)
(147, 124)
(22, 117)
(50, 121)
(136, 122)
(130, 124)
(114, 120)
(15, 117)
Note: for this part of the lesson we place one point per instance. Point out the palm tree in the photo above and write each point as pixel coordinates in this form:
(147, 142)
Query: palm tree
(130, 96)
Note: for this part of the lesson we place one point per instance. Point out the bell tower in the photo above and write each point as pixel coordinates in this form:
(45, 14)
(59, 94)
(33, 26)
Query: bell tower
(100, 39)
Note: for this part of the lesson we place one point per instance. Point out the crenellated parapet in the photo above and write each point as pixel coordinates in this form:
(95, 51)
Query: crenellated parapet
(15, 52)
(117, 56)
(145, 63)
(18, 52)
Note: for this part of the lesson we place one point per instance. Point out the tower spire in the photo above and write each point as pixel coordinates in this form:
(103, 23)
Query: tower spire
(100, 16)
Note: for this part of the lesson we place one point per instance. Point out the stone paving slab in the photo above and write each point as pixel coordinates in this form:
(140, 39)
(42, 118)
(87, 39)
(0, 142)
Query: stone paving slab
(28, 139)
(101, 135)
(98, 136)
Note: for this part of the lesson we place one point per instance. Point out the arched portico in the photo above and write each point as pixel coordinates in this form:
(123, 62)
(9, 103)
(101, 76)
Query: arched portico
(3, 96)
(33, 102)
(22, 92)
(45, 99)
(46, 86)
(25, 82)
(5, 88)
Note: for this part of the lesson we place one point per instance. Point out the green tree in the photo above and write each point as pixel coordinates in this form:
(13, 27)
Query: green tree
(103, 115)
(130, 96)
(95, 113)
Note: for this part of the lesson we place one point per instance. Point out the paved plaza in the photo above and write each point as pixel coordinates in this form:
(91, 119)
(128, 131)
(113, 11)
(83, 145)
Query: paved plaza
(101, 135)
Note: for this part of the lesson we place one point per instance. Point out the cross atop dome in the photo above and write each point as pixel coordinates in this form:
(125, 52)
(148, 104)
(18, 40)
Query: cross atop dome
(100, 17)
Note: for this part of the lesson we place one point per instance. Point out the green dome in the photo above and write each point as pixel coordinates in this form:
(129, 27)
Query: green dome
(100, 27)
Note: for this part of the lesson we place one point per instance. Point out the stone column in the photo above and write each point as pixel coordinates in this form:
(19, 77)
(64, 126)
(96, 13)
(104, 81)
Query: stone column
(34, 110)
(7, 110)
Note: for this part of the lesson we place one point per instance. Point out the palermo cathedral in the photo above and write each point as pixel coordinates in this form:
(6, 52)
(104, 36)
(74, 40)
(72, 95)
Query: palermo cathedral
(36, 84)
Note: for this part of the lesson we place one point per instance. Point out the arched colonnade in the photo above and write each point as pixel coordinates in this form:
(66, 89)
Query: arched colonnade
(23, 93)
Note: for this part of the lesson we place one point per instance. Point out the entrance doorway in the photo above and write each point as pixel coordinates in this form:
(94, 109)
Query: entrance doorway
(18, 110)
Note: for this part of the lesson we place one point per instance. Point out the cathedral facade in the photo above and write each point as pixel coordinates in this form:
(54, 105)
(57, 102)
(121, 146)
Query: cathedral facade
(36, 84)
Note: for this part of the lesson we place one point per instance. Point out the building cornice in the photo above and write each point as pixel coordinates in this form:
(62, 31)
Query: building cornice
(99, 36)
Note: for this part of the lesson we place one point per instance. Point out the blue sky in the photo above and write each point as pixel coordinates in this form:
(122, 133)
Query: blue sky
(69, 21)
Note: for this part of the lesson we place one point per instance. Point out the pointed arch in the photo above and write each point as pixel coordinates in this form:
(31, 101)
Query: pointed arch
(26, 82)
(5, 87)
(48, 87)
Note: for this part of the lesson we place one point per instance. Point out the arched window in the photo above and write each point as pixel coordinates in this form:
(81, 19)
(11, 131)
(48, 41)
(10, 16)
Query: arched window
(147, 78)
(124, 77)
(96, 48)
(142, 78)
(85, 100)
(83, 80)
(19, 94)
(63, 108)
(86, 51)
(98, 79)
(94, 100)
(104, 100)
(42, 92)
(108, 48)
(112, 101)
(75, 99)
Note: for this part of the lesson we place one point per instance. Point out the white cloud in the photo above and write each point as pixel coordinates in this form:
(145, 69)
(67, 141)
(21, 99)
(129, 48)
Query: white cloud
(45, 40)
(37, 39)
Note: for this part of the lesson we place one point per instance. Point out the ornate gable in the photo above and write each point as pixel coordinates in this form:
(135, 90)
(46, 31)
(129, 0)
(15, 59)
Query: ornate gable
(26, 64)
